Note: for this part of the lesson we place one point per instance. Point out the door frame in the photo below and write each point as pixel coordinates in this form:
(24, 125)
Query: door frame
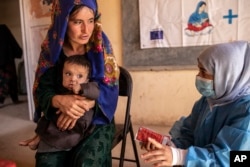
(33, 29)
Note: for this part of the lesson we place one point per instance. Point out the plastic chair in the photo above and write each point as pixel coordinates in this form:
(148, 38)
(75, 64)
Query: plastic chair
(125, 89)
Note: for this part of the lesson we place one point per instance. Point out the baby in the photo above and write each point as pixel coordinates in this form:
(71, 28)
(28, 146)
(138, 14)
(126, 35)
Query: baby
(75, 76)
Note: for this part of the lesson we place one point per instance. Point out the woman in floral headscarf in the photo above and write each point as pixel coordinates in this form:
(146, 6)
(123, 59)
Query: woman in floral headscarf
(75, 30)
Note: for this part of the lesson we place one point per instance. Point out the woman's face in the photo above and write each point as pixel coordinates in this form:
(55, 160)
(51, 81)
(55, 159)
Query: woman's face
(80, 26)
(202, 8)
(203, 72)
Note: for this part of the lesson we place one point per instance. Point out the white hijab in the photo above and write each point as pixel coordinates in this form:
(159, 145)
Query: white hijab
(229, 63)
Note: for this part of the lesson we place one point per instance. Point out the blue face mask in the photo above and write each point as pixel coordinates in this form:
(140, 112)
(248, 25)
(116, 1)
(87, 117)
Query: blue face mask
(205, 86)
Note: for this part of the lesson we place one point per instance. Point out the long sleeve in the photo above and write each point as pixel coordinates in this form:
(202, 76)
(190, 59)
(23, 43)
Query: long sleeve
(210, 135)
(46, 90)
(90, 90)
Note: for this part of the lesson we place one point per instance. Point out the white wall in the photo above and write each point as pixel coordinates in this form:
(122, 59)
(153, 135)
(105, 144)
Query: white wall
(159, 97)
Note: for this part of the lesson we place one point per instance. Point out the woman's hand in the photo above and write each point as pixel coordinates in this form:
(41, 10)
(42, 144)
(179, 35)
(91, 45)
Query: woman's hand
(64, 122)
(72, 105)
(160, 155)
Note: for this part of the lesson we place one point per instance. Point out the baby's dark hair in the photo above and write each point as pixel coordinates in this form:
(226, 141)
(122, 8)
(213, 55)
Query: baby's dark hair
(79, 60)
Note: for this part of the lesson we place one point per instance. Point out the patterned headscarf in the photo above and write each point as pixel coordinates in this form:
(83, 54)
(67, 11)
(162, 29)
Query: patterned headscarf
(229, 63)
(99, 49)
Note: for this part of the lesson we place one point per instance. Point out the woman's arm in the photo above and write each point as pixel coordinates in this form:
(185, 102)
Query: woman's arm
(72, 105)
(233, 127)
(90, 90)
(65, 121)
(234, 135)
(163, 155)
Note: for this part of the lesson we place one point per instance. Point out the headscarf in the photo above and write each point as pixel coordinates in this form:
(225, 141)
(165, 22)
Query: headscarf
(99, 49)
(198, 17)
(229, 63)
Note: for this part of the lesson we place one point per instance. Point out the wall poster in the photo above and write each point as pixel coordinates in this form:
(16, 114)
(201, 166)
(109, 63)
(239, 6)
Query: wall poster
(180, 23)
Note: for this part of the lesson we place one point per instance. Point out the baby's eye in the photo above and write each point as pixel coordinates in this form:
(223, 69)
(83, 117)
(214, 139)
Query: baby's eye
(79, 76)
(67, 73)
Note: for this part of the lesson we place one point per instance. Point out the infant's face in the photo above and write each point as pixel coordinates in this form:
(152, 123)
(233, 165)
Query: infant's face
(74, 75)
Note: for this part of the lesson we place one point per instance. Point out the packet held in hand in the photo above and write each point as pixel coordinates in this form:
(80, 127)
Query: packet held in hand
(144, 133)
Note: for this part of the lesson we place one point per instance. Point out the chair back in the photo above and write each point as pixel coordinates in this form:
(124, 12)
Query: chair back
(125, 83)
(125, 90)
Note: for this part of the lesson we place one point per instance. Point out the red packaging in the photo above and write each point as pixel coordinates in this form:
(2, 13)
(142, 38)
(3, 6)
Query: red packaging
(143, 134)
(7, 163)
